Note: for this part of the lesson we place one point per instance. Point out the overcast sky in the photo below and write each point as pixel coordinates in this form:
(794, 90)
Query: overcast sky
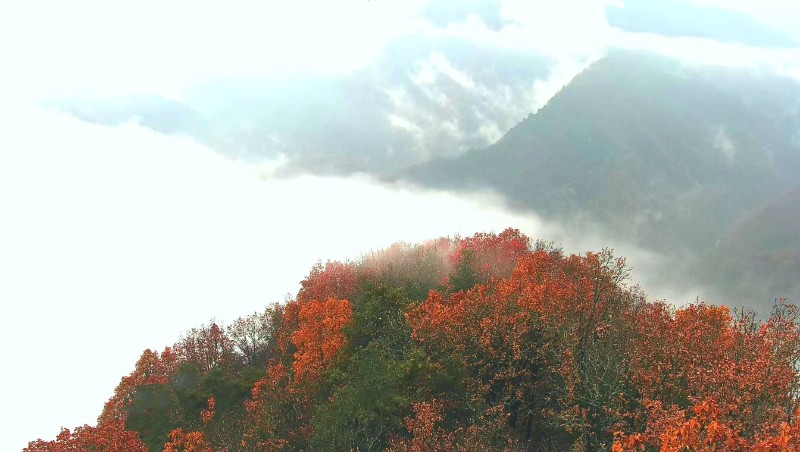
(161, 47)
(115, 239)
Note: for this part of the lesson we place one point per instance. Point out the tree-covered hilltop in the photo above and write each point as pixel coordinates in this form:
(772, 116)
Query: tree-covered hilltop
(490, 342)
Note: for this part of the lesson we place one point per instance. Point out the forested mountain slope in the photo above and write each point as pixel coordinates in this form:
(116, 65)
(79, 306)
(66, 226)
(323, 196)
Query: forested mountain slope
(669, 155)
(489, 342)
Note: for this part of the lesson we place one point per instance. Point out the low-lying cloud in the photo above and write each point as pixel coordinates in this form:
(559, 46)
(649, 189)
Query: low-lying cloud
(116, 239)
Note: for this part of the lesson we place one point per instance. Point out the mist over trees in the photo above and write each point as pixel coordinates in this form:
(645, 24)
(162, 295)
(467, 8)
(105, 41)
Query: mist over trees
(488, 342)
(496, 342)
(161, 164)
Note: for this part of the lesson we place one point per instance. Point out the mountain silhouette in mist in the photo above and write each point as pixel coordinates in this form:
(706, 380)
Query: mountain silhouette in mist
(669, 155)
(676, 158)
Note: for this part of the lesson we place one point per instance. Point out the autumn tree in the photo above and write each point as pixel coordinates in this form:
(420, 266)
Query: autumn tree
(277, 412)
(180, 441)
(109, 436)
(282, 401)
(376, 379)
(208, 348)
(251, 336)
(427, 432)
(703, 364)
(486, 255)
(319, 336)
(331, 280)
(151, 368)
(543, 343)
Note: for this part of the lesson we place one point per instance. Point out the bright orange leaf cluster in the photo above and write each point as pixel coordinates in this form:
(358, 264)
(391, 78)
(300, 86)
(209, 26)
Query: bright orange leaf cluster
(707, 376)
(320, 335)
(332, 280)
(180, 441)
(108, 437)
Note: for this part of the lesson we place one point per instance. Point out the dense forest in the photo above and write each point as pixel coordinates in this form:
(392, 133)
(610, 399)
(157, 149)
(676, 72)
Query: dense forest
(488, 342)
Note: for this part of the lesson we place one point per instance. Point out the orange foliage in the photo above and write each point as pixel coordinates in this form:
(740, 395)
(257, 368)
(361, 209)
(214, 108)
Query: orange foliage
(272, 404)
(711, 381)
(426, 434)
(787, 438)
(281, 403)
(319, 335)
(488, 255)
(505, 330)
(289, 316)
(333, 280)
(703, 431)
(208, 414)
(108, 437)
(151, 368)
(180, 441)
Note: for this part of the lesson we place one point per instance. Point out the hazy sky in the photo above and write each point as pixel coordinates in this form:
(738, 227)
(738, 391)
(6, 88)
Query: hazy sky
(151, 46)
(115, 239)
(160, 47)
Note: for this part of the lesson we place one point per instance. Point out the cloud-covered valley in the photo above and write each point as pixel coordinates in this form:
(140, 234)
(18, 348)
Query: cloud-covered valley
(128, 235)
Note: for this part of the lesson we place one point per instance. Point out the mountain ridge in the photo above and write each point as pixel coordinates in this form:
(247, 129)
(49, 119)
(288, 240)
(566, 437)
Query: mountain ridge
(665, 154)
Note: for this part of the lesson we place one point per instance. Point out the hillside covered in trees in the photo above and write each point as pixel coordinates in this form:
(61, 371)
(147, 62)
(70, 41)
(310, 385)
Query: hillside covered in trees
(490, 342)
(677, 158)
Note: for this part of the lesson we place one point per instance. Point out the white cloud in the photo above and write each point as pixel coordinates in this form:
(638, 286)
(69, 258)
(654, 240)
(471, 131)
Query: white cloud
(704, 51)
(722, 143)
(446, 110)
(118, 239)
(53, 47)
(776, 13)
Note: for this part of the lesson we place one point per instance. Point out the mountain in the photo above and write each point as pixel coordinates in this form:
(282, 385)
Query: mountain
(668, 155)
(760, 253)
(421, 97)
(665, 154)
